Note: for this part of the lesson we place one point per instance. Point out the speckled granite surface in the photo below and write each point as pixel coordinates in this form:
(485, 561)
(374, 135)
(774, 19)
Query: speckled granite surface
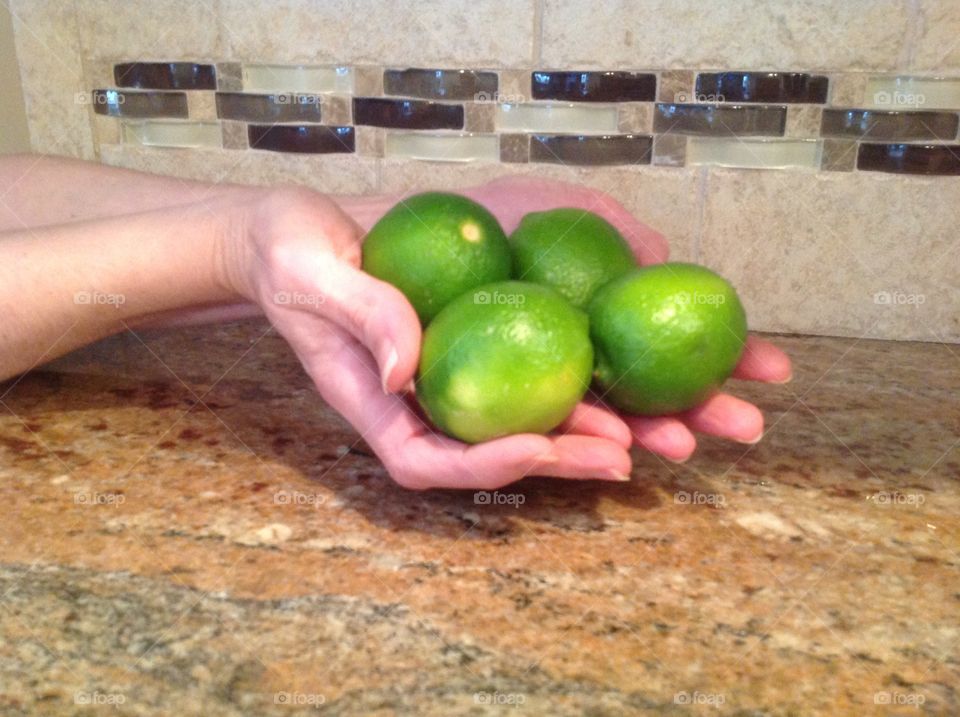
(185, 532)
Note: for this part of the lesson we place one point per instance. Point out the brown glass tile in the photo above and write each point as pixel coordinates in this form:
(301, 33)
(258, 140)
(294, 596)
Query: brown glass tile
(304, 139)
(774, 87)
(720, 120)
(939, 159)
(893, 126)
(441, 84)
(590, 150)
(120, 103)
(572, 86)
(165, 75)
(268, 108)
(406, 114)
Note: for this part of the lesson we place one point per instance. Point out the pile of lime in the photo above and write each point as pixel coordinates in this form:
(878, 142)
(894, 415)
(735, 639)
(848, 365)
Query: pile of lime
(517, 328)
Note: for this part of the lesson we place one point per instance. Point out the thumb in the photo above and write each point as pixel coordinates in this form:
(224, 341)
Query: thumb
(377, 314)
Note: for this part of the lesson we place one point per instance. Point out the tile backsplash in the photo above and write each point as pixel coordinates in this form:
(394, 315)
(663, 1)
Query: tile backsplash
(696, 116)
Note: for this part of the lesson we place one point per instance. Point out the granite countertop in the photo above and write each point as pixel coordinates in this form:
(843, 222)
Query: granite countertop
(188, 530)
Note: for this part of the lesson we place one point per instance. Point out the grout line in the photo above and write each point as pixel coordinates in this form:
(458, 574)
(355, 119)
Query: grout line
(538, 33)
(701, 212)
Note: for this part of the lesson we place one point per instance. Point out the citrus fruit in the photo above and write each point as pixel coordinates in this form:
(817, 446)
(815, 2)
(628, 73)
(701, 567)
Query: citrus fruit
(434, 247)
(507, 357)
(666, 337)
(573, 250)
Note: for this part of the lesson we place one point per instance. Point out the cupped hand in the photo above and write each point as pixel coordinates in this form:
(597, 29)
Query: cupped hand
(359, 340)
(721, 415)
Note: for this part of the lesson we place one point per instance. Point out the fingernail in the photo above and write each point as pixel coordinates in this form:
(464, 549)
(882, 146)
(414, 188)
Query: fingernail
(393, 358)
(754, 440)
(616, 475)
(788, 379)
(678, 461)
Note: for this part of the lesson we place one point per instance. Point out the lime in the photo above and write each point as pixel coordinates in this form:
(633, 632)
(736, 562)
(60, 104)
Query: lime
(434, 247)
(508, 357)
(573, 250)
(666, 337)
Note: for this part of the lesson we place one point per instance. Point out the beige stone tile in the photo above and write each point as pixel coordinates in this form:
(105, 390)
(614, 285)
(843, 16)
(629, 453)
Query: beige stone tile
(515, 148)
(848, 89)
(446, 33)
(370, 141)
(201, 105)
(98, 74)
(336, 174)
(803, 121)
(675, 86)
(664, 199)
(755, 34)
(937, 46)
(838, 155)
(229, 76)
(57, 99)
(479, 117)
(635, 117)
(235, 135)
(819, 252)
(149, 30)
(515, 86)
(336, 110)
(106, 130)
(367, 81)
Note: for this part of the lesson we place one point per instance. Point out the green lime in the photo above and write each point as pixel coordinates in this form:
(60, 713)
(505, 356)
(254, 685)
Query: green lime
(573, 250)
(508, 357)
(666, 337)
(434, 247)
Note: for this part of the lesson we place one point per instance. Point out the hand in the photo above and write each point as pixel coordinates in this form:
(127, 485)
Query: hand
(297, 256)
(670, 436)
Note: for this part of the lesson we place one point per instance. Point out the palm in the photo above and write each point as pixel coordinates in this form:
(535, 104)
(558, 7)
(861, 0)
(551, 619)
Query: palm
(671, 436)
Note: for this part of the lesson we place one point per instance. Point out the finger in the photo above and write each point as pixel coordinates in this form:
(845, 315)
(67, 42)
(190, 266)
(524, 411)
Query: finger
(376, 314)
(762, 361)
(726, 416)
(496, 463)
(421, 458)
(597, 421)
(664, 435)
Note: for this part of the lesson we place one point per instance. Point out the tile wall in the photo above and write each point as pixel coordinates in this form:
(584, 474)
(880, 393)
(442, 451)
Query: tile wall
(809, 151)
